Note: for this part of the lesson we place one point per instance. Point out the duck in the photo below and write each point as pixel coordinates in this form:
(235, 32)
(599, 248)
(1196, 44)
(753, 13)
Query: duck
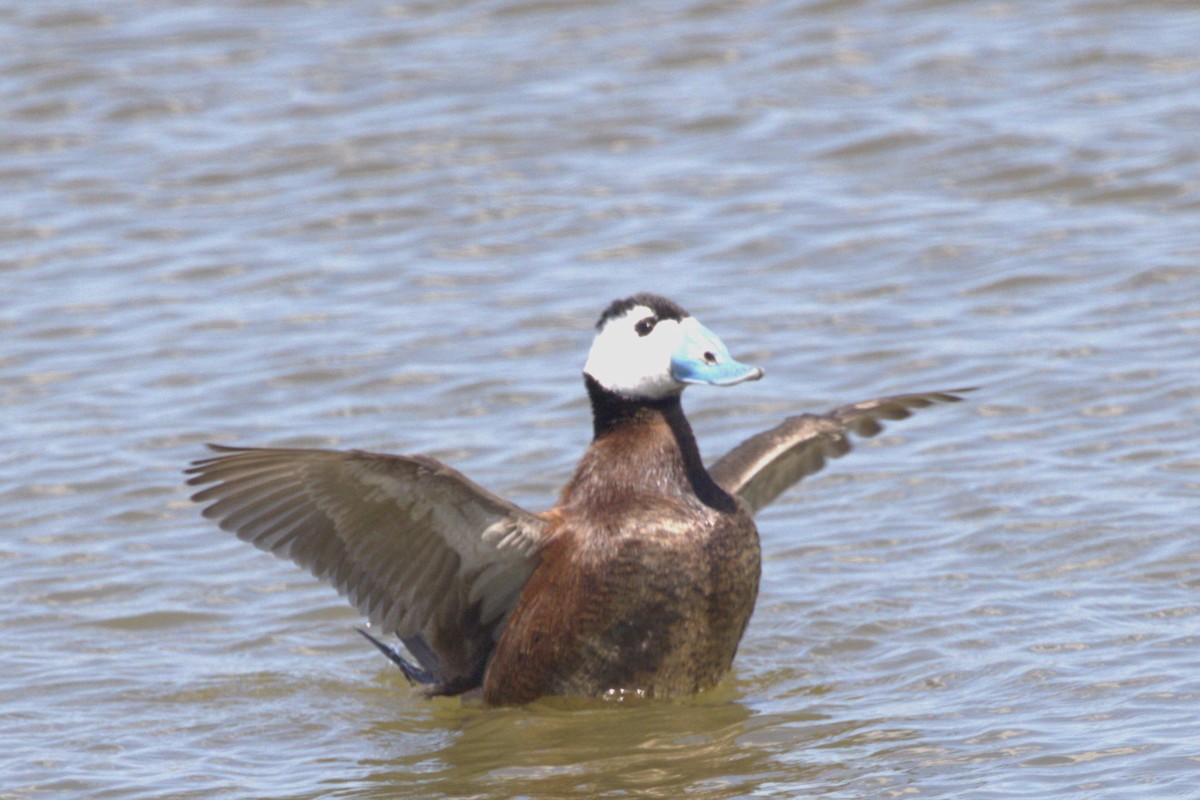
(638, 583)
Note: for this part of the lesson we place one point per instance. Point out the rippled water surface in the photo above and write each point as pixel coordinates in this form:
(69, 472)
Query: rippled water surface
(391, 226)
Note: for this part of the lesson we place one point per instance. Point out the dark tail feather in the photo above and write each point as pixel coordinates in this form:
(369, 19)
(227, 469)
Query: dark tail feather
(411, 671)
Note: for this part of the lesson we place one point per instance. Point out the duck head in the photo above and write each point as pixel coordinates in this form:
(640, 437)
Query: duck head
(648, 348)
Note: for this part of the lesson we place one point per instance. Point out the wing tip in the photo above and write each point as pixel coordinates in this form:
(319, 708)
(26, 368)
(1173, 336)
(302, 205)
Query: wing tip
(198, 465)
(414, 674)
(954, 395)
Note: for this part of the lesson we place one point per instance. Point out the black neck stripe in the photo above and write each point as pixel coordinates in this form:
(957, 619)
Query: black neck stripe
(610, 411)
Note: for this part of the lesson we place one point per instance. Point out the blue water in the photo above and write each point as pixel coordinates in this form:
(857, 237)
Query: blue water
(392, 227)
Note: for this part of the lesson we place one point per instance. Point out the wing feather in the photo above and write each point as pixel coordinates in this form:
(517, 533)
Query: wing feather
(415, 546)
(759, 469)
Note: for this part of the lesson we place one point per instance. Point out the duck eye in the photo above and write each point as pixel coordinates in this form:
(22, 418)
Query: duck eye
(644, 326)
(710, 357)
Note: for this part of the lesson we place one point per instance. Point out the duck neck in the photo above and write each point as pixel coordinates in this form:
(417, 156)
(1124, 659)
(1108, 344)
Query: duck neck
(638, 424)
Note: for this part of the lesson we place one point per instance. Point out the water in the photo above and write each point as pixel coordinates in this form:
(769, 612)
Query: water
(392, 227)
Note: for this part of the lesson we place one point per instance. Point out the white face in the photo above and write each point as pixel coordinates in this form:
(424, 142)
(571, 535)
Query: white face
(624, 361)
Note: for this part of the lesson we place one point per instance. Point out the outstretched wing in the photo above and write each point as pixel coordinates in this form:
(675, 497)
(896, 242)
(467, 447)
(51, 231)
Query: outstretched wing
(760, 468)
(414, 545)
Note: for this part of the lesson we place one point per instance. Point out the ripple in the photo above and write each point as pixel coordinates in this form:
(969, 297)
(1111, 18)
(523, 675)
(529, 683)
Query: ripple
(392, 227)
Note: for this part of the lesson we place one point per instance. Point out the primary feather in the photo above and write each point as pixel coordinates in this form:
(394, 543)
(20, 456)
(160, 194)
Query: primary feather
(759, 469)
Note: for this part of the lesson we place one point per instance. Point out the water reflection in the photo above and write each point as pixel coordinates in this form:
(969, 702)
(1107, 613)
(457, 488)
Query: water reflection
(559, 748)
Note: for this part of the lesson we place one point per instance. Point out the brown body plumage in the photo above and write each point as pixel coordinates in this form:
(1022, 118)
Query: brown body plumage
(647, 580)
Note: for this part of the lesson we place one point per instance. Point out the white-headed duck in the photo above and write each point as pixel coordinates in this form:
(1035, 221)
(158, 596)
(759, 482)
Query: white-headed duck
(640, 581)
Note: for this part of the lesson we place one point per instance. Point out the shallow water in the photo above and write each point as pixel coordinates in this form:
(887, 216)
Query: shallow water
(392, 227)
